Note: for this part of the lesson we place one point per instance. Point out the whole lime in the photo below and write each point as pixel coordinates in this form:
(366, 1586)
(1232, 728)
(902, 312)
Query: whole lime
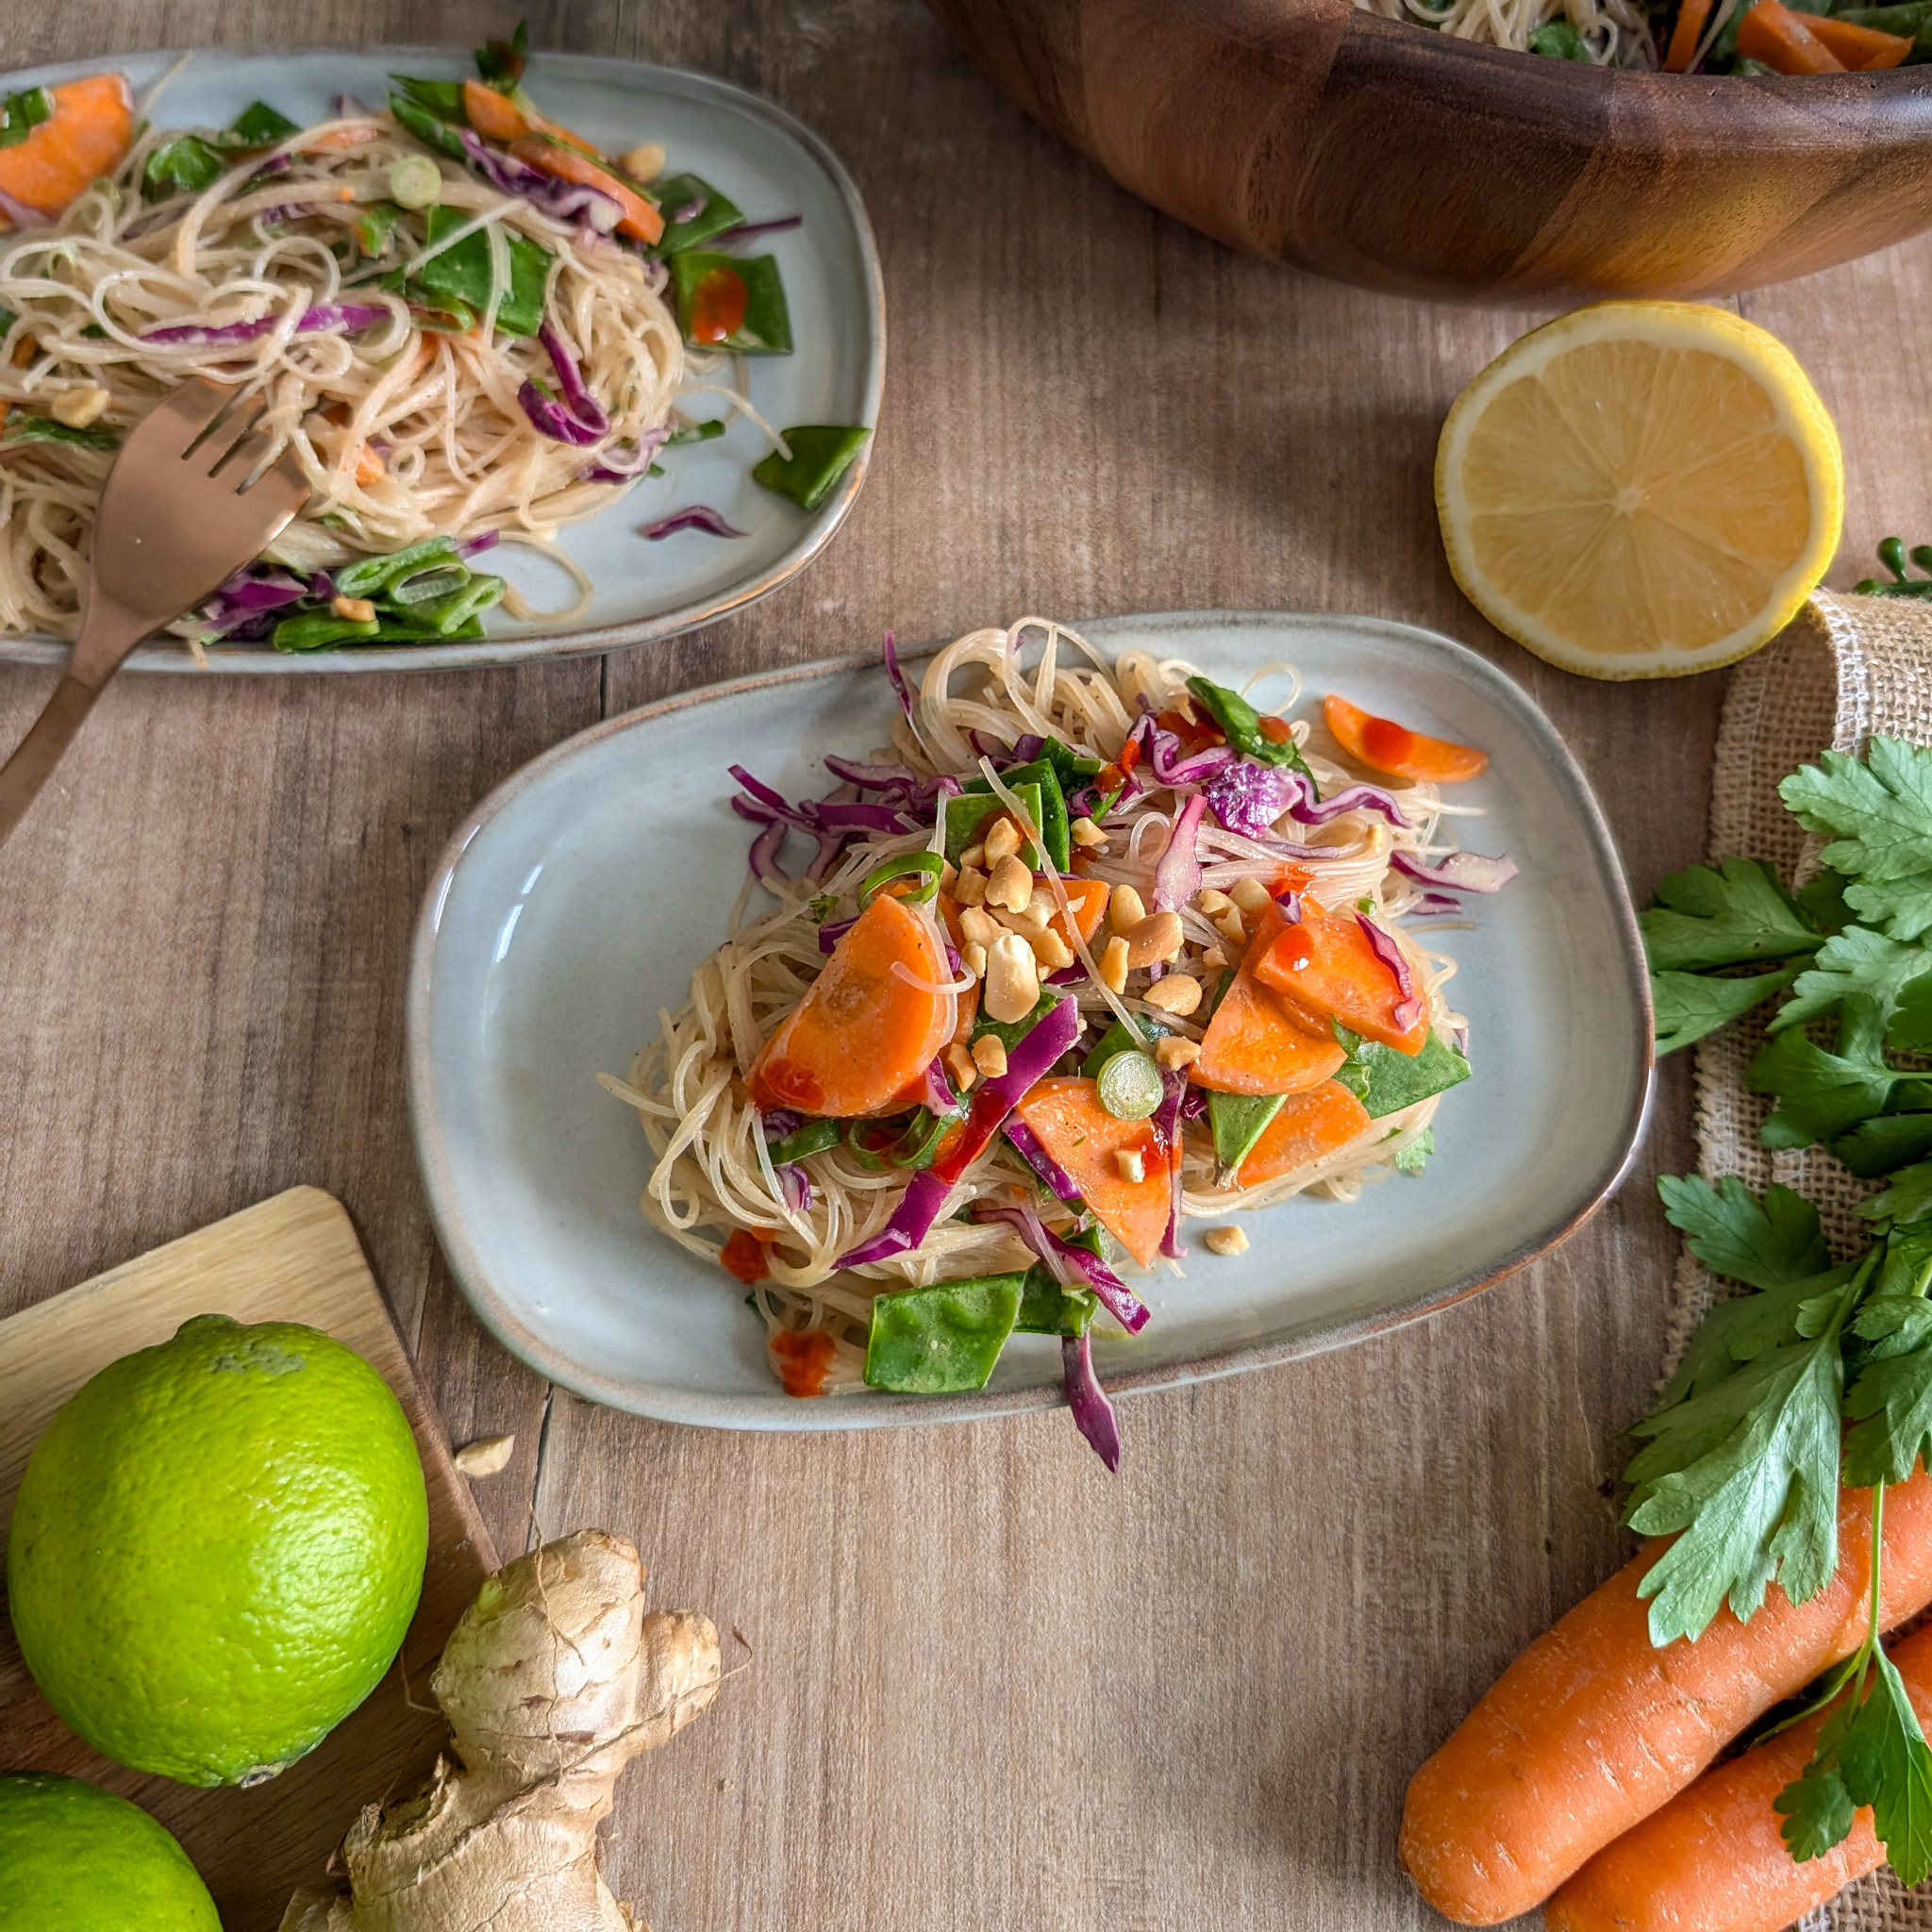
(76, 1859)
(216, 1548)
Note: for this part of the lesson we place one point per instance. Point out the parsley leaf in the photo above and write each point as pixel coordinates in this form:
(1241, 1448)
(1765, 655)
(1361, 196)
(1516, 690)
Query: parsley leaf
(1855, 962)
(1817, 1811)
(1763, 1243)
(1690, 1005)
(1722, 916)
(1748, 1471)
(1878, 814)
(1884, 1142)
(1890, 1402)
(1885, 1763)
(1907, 1199)
(1823, 1093)
(1413, 1156)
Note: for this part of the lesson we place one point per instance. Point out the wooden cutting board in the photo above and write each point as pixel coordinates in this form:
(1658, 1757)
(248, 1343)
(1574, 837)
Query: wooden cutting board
(293, 1258)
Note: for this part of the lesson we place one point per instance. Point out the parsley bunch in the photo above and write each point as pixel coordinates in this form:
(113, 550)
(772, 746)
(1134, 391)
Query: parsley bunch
(1849, 950)
(1822, 1377)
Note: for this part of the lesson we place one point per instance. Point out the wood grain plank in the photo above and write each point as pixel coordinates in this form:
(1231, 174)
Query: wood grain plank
(988, 1689)
(294, 1257)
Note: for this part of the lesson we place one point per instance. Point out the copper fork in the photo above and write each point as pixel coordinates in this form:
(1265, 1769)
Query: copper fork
(182, 510)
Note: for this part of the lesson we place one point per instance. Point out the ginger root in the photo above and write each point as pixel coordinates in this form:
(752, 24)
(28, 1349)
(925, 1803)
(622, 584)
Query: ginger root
(553, 1680)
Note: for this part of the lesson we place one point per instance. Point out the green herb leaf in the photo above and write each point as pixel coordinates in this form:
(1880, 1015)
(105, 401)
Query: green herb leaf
(1413, 1156)
(1890, 1402)
(1559, 40)
(1885, 1763)
(44, 429)
(1878, 814)
(1817, 1811)
(1820, 1094)
(1687, 1005)
(1907, 1199)
(20, 113)
(184, 165)
(1722, 916)
(1855, 962)
(260, 126)
(502, 62)
(1766, 1244)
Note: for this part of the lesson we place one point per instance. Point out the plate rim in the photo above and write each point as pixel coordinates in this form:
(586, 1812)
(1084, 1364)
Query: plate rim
(665, 1402)
(821, 524)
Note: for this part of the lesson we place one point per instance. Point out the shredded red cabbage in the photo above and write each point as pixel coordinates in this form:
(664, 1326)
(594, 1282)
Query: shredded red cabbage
(745, 229)
(1070, 1266)
(567, 200)
(577, 416)
(1409, 1007)
(898, 677)
(351, 316)
(20, 214)
(796, 1185)
(1026, 1144)
(939, 1096)
(1028, 1060)
(1162, 752)
(780, 1122)
(624, 462)
(1177, 877)
(1093, 1414)
(833, 931)
(764, 856)
(1167, 1122)
(1291, 904)
(698, 516)
(1434, 905)
(1312, 810)
(1248, 796)
(1461, 872)
(244, 607)
(475, 546)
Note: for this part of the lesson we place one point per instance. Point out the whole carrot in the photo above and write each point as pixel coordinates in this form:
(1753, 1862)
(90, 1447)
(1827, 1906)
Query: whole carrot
(1593, 1728)
(1713, 1857)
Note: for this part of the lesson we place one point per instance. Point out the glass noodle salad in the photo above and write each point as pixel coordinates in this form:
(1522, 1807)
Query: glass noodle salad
(467, 322)
(1091, 950)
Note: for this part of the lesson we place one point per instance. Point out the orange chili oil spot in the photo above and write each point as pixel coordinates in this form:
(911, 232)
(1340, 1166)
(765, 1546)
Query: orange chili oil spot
(744, 1256)
(1195, 734)
(1274, 730)
(805, 1359)
(791, 1084)
(1293, 957)
(717, 307)
(1131, 755)
(1386, 743)
(1292, 878)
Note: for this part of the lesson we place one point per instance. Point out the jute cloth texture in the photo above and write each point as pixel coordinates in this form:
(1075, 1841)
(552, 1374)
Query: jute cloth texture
(1848, 670)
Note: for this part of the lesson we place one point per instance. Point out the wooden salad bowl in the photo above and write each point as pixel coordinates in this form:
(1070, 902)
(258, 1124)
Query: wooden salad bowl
(1377, 152)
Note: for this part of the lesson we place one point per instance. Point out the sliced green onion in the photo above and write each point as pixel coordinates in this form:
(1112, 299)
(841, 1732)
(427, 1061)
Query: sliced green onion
(930, 865)
(874, 1158)
(415, 181)
(1130, 1086)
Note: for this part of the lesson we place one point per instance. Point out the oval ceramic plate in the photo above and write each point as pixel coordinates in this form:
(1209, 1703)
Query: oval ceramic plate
(768, 163)
(580, 894)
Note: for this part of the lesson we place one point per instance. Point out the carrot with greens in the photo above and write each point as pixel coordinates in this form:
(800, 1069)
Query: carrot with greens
(1251, 1044)
(1593, 1728)
(1692, 17)
(1862, 49)
(88, 128)
(1308, 1127)
(1715, 1857)
(870, 1024)
(550, 155)
(1383, 745)
(1783, 41)
(1119, 1166)
(1335, 966)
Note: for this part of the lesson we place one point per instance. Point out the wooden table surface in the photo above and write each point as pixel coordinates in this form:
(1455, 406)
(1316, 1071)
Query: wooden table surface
(989, 1686)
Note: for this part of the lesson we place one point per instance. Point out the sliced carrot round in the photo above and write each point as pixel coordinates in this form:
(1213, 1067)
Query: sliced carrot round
(1069, 1122)
(864, 1032)
(1327, 967)
(552, 155)
(1383, 745)
(1252, 1045)
(1309, 1127)
(88, 135)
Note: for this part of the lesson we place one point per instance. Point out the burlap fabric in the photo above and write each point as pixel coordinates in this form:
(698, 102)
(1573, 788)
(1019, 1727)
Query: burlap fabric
(1849, 668)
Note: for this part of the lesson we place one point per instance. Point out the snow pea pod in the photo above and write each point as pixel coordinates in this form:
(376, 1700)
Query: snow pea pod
(943, 1340)
(821, 454)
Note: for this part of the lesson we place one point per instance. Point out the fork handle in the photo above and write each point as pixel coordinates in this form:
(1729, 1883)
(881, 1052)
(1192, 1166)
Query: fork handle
(39, 752)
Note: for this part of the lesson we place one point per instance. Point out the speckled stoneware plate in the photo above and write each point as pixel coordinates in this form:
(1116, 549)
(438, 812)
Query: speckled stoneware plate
(577, 898)
(770, 165)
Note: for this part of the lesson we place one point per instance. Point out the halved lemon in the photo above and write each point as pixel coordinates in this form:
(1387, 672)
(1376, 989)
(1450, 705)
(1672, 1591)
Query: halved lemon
(1641, 489)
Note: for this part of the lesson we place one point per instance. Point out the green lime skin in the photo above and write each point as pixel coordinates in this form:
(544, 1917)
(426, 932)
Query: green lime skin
(73, 1859)
(216, 1548)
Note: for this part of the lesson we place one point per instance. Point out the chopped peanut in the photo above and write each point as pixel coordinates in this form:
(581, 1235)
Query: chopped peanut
(1156, 939)
(1003, 840)
(968, 889)
(1113, 965)
(1085, 832)
(961, 1065)
(973, 956)
(1230, 928)
(1174, 1050)
(80, 408)
(947, 875)
(1011, 883)
(354, 610)
(1126, 909)
(1178, 994)
(1251, 895)
(1213, 900)
(25, 351)
(990, 1056)
(644, 162)
(974, 855)
(1227, 1241)
(1214, 960)
(1132, 1167)
(1053, 953)
(1012, 979)
(978, 928)
(1042, 909)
